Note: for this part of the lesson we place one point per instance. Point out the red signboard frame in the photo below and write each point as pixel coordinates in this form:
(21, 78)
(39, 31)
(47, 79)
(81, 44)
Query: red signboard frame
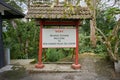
(76, 65)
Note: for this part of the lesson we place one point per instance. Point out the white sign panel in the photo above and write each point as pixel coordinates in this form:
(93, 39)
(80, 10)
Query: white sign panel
(52, 38)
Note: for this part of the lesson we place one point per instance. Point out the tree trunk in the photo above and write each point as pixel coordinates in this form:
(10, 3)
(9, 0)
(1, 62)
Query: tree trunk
(92, 33)
(92, 5)
(93, 24)
(112, 52)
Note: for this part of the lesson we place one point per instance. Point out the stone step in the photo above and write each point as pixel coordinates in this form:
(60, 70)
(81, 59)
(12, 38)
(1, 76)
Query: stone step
(52, 68)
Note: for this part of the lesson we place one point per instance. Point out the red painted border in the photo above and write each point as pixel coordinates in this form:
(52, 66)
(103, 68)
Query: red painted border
(40, 43)
(76, 65)
(77, 43)
(68, 23)
(76, 23)
(40, 65)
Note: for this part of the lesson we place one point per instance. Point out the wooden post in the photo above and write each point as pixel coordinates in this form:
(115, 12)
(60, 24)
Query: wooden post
(93, 25)
(76, 65)
(2, 60)
(40, 65)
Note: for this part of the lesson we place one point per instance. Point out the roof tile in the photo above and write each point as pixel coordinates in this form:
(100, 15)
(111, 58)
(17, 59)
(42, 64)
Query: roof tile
(38, 11)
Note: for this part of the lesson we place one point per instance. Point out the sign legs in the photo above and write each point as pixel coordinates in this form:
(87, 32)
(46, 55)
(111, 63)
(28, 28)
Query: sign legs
(40, 65)
(76, 65)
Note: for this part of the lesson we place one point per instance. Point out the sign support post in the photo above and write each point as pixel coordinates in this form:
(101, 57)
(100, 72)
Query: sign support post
(40, 65)
(45, 44)
(76, 65)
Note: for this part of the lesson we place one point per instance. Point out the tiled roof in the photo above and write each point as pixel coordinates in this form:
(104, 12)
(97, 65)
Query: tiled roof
(38, 11)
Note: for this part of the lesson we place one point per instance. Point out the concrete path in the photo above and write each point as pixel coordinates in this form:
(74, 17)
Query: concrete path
(93, 68)
(88, 71)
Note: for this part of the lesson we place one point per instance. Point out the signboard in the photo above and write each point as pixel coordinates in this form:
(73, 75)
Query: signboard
(58, 38)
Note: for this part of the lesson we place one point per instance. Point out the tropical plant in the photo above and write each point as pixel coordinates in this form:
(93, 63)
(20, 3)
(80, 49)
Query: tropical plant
(53, 55)
(22, 37)
(110, 33)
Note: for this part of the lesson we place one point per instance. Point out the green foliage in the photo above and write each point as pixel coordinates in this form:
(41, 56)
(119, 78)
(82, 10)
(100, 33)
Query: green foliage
(111, 12)
(54, 55)
(108, 29)
(106, 19)
(22, 38)
(100, 48)
(27, 33)
(84, 44)
(67, 51)
(85, 30)
(84, 40)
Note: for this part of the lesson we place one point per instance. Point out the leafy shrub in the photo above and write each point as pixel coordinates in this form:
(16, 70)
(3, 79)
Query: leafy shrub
(52, 55)
(57, 54)
(85, 46)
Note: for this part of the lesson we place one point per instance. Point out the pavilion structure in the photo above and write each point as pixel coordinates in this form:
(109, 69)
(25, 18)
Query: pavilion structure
(6, 12)
(58, 15)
